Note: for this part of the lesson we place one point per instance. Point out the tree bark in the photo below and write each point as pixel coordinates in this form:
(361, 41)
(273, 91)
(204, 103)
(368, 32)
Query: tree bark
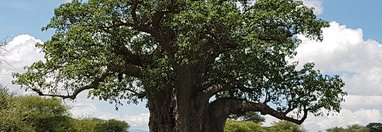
(161, 109)
(191, 108)
(180, 110)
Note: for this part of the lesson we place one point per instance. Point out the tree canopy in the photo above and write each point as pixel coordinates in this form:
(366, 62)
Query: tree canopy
(179, 54)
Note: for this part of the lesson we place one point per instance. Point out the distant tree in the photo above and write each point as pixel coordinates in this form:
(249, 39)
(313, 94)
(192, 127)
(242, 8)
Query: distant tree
(86, 125)
(44, 114)
(375, 127)
(112, 125)
(99, 125)
(249, 126)
(285, 126)
(351, 128)
(243, 126)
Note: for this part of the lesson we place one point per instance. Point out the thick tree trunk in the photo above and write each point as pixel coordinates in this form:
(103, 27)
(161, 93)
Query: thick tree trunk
(161, 112)
(182, 109)
(191, 108)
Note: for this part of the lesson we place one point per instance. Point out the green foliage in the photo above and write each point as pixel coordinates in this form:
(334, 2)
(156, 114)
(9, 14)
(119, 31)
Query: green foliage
(245, 126)
(375, 127)
(112, 126)
(42, 113)
(351, 128)
(31, 113)
(249, 126)
(99, 125)
(10, 119)
(85, 125)
(5, 98)
(285, 126)
(130, 49)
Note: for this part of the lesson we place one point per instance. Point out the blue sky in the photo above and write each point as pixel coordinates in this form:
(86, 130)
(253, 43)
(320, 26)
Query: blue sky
(365, 14)
(26, 17)
(346, 49)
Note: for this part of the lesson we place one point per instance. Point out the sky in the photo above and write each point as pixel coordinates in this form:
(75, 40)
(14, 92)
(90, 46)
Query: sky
(351, 48)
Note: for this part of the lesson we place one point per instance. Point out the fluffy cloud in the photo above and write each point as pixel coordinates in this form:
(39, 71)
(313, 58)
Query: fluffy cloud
(18, 53)
(359, 62)
(356, 102)
(21, 51)
(344, 51)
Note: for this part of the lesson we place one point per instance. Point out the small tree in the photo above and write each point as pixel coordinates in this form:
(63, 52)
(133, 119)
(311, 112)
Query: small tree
(99, 125)
(44, 114)
(112, 125)
(243, 126)
(375, 127)
(31, 113)
(350, 128)
(86, 125)
(285, 126)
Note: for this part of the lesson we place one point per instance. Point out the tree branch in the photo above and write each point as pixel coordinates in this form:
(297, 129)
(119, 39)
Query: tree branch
(135, 24)
(92, 85)
(227, 106)
(140, 95)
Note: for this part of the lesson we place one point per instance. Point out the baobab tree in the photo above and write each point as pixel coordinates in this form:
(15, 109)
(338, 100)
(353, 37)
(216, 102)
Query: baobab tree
(195, 62)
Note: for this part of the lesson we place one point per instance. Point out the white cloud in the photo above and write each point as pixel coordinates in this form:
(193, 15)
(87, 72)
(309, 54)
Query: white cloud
(140, 120)
(344, 51)
(21, 52)
(316, 4)
(356, 102)
(344, 118)
(18, 53)
(359, 63)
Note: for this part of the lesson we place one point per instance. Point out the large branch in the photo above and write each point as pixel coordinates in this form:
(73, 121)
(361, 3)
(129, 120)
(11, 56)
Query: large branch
(164, 35)
(92, 85)
(220, 109)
